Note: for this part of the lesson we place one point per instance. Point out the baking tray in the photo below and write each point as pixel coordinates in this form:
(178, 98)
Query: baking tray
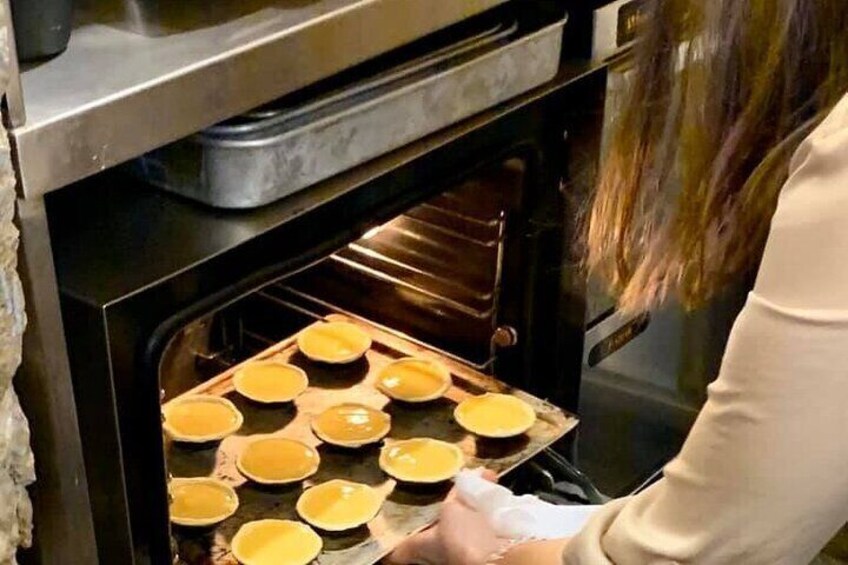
(407, 509)
(268, 155)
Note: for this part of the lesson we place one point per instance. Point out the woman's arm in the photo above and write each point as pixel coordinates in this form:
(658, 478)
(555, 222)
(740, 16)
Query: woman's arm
(763, 476)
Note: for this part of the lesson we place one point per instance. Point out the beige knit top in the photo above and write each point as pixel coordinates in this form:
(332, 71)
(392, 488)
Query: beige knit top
(763, 476)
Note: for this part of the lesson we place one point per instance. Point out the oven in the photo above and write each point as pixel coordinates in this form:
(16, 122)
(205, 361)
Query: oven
(460, 244)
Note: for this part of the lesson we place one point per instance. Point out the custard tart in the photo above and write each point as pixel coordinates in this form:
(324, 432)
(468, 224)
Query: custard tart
(414, 379)
(276, 542)
(277, 461)
(200, 418)
(333, 342)
(339, 505)
(351, 425)
(495, 415)
(421, 460)
(201, 501)
(270, 381)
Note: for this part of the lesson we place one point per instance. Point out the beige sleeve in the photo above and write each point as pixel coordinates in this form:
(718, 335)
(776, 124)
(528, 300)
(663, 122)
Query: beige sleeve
(763, 475)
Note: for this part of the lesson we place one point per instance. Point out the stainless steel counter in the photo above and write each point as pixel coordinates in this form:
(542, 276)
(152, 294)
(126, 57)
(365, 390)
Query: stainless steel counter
(115, 94)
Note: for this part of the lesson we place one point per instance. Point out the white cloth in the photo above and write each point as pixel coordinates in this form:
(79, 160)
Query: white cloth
(519, 517)
(763, 475)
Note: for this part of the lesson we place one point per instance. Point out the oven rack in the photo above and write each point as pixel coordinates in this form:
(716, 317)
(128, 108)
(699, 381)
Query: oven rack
(406, 510)
(316, 309)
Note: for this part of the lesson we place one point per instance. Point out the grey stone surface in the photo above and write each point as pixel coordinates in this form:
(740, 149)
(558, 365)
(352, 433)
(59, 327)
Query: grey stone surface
(16, 472)
(16, 459)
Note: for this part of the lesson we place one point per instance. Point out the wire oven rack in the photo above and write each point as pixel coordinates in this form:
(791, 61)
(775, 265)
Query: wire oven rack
(406, 510)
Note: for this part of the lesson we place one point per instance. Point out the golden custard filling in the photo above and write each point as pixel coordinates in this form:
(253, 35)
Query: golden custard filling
(276, 542)
(278, 460)
(414, 380)
(201, 418)
(201, 501)
(495, 415)
(334, 342)
(339, 505)
(422, 460)
(270, 381)
(351, 425)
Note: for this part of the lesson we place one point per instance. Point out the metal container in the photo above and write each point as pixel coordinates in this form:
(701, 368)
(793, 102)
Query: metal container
(271, 154)
(42, 27)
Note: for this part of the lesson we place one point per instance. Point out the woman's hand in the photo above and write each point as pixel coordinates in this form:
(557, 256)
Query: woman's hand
(461, 537)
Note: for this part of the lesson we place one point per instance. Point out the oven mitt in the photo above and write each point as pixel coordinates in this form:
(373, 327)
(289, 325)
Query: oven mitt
(519, 517)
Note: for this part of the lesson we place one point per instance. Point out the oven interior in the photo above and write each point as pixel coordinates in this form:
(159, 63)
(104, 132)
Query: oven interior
(432, 275)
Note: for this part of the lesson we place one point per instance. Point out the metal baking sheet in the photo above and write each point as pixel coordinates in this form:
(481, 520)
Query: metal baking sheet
(230, 168)
(407, 509)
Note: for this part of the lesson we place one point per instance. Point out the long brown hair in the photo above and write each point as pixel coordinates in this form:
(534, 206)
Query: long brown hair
(721, 94)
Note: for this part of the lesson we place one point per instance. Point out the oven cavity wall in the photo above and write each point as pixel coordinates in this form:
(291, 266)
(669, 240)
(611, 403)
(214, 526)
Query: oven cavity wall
(16, 459)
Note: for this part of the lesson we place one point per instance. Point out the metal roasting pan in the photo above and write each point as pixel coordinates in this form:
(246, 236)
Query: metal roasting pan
(271, 154)
(406, 509)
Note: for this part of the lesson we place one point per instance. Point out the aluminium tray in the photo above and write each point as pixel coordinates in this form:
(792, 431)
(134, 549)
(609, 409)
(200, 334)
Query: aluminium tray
(251, 162)
(406, 509)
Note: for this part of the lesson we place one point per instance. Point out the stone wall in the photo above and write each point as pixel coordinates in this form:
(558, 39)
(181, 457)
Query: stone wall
(16, 461)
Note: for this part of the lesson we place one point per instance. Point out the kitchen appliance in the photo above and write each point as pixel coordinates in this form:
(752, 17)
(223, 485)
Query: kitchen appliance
(457, 243)
(122, 267)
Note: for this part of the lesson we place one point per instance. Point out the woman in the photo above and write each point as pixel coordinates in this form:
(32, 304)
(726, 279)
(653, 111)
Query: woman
(732, 153)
